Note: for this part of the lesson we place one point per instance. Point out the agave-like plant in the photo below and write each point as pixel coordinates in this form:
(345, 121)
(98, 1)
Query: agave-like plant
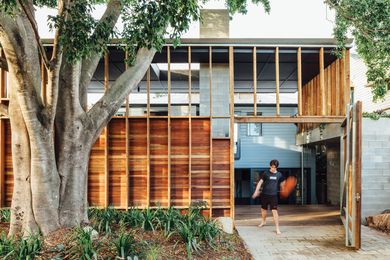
(84, 247)
(125, 245)
(5, 215)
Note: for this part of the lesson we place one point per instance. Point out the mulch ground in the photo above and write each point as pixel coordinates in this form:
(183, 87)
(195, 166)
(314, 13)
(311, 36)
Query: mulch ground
(59, 243)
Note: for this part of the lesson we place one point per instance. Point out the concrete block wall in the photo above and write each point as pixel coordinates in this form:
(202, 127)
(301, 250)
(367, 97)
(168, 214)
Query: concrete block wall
(333, 173)
(375, 166)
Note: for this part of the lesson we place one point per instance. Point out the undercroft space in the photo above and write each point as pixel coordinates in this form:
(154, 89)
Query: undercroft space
(308, 232)
(290, 215)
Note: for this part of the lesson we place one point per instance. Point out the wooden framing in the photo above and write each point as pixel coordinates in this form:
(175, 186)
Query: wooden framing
(203, 182)
(127, 144)
(148, 138)
(106, 135)
(254, 81)
(333, 85)
(289, 119)
(43, 81)
(299, 80)
(277, 80)
(231, 91)
(211, 129)
(189, 126)
(169, 125)
(322, 84)
(2, 137)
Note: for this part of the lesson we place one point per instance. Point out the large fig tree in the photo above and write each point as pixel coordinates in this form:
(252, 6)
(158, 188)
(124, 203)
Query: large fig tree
(369, 23)
(52, 136)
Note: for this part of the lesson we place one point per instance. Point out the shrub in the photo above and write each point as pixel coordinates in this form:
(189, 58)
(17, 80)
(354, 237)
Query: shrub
(83, 247)
(133, 218)
(7, 246)
(28, 248)
(168, 220)
(125, 245)
(194, 229)
(5, 215)
(149, 219)
(104, 218)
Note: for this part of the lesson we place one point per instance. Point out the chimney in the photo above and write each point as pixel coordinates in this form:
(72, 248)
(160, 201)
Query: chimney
(214, 23)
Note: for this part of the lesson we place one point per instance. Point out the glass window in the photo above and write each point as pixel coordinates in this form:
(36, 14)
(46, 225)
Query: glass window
(255, 129)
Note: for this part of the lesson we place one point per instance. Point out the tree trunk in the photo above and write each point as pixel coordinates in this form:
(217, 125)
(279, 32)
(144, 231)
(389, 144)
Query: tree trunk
(73, 160)
(22, 217)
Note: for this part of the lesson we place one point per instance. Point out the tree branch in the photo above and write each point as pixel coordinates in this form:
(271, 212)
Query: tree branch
(3, 109)
(89, 65)
(20, 48)
(36, 33)
(106, 107)
(55, 62)
(3, 63)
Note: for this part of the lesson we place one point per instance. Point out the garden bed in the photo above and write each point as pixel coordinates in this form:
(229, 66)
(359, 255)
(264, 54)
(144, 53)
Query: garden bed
(146, 234)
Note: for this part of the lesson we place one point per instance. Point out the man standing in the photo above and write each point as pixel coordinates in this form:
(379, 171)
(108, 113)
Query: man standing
(269, 194)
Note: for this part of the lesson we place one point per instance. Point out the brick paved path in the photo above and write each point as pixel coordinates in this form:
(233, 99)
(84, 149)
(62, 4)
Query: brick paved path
(300, 241)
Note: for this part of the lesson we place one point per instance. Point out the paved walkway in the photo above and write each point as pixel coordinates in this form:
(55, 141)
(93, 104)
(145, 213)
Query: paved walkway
(308, 232)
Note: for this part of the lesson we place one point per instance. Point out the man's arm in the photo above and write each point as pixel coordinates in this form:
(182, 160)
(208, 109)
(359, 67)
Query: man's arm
(257, 190)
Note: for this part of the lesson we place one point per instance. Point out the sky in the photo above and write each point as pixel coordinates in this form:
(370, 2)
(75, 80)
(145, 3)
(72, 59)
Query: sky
(288, 19)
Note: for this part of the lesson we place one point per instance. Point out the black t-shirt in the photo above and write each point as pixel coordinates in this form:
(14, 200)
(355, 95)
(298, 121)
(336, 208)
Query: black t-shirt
(271, 182)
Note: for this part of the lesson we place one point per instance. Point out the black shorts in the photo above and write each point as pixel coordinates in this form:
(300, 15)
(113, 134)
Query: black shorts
(271, 200)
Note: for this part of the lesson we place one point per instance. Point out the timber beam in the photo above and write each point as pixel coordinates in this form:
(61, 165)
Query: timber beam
(289, 119)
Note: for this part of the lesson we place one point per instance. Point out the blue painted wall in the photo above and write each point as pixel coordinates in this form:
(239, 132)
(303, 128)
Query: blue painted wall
(276, 142)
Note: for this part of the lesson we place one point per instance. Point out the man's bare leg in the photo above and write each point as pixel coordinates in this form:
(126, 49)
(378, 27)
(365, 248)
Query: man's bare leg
(276, 219)
(263, 217)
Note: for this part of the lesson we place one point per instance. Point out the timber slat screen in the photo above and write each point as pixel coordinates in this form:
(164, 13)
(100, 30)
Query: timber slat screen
(153, 159)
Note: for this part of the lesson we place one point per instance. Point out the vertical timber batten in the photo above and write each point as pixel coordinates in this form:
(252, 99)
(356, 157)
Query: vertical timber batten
(43, 81)
(231, 91)
(211, 129)
(127, 142)
(254, 82)
(2, 139)
(299, 79)
(169, 126)
(322, 83)
(277, 80)
(189, 126)
(347, 77)
(106, 134)
(148, 138)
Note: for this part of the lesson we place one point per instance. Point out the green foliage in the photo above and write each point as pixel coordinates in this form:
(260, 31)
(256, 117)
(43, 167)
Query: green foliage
(84, 248)
(376, 115)
(152, 251)
(240, 6)
(133, 218)
(145, 23)
(7, 246)
(28, 248)
(149, 219)
(194, 229)
(104, 218)
(125, 245)
(168, 220)
(82, 35)
(369, 22)
(5, 215)
(23, 249)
